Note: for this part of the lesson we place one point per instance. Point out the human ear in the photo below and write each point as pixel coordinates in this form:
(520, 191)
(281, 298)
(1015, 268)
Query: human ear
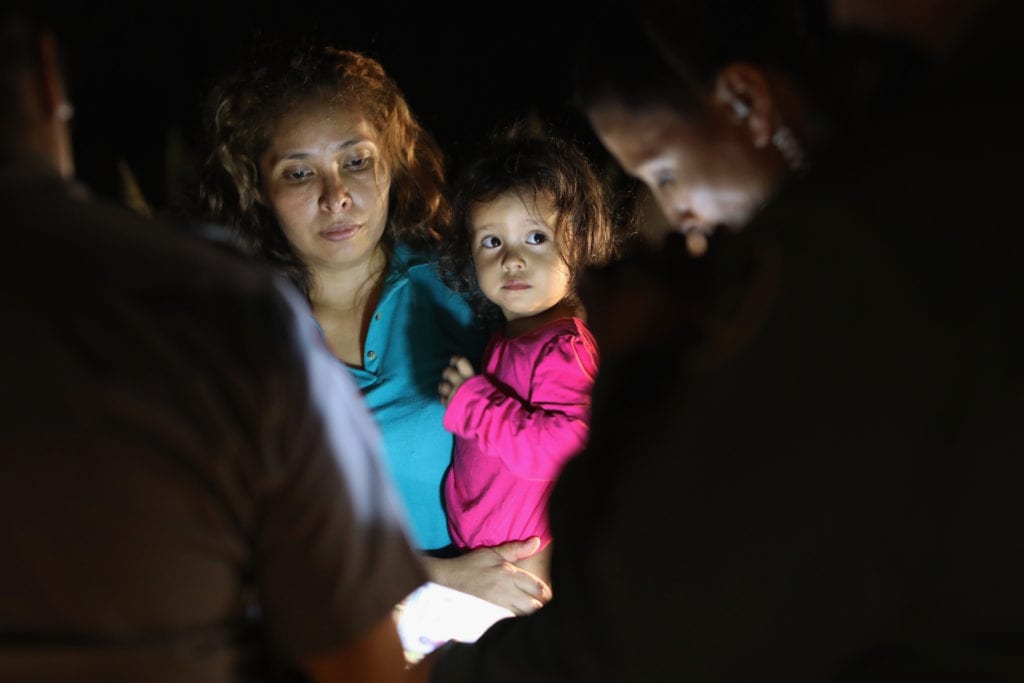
(52, 94)
(53, 110)
(743, 91)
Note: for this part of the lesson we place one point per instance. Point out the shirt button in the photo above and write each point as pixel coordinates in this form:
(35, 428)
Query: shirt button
(371, 355)
(376, 316)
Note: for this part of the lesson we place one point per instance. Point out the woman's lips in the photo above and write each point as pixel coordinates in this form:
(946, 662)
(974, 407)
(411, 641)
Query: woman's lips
(340, 232)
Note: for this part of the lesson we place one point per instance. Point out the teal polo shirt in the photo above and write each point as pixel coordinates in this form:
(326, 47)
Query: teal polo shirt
(417, 326)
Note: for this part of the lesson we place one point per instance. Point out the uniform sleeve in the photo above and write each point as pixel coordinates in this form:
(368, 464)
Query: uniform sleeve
(534, 438)
(334, 550)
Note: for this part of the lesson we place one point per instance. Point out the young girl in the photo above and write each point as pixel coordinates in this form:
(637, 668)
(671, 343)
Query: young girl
(531, 214)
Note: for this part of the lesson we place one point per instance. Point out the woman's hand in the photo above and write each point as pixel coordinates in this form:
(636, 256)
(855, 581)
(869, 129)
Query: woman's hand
(490, 573)
(458, 371)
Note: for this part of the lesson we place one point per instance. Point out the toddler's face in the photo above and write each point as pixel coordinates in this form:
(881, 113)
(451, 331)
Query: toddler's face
(516, 256)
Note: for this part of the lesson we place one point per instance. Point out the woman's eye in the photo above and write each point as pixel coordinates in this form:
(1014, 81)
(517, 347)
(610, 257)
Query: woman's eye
(358, 164)
(664, 179)
(536, 237)
(298, 174)
(490, 242)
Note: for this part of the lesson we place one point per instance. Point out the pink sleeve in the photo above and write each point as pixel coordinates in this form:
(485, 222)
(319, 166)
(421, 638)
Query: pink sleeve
(534, 439)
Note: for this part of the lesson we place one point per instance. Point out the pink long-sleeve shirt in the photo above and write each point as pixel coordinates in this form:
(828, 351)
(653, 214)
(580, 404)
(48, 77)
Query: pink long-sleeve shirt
(515, 425)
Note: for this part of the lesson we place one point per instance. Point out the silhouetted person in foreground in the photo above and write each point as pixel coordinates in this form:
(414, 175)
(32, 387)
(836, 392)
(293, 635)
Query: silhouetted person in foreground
(179, 500)
(840, 491)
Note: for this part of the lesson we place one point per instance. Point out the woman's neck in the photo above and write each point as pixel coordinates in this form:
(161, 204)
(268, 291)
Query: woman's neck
(347, 287)
(343, 302)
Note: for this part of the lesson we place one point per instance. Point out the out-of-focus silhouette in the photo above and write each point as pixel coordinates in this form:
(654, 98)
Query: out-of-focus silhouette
(191, 487)
(839, 492)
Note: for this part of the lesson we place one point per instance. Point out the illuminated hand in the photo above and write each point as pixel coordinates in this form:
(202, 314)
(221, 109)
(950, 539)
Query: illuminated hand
(491, 574)
(458, 371)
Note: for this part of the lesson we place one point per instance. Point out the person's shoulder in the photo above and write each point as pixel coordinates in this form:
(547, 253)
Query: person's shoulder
(578, 327)
(562, 344)
(77, 260)
(566, 333)
(94, 247)
(568, 327)
(576, 335)
(166, 252)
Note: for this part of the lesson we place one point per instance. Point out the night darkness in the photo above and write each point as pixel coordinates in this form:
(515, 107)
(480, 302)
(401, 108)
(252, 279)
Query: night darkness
(138, 74)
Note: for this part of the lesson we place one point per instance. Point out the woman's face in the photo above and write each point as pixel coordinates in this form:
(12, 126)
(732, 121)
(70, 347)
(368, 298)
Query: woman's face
(324, 178)
(704, 175)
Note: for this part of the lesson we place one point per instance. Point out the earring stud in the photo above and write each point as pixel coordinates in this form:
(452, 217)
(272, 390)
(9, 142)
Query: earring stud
(65, 111)
(789, 147)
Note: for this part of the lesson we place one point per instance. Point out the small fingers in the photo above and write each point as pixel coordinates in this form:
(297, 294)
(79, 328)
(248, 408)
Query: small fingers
(452, 376)
(463, 366)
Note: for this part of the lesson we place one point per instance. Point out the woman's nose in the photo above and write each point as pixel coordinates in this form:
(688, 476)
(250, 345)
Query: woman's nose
(334, 196)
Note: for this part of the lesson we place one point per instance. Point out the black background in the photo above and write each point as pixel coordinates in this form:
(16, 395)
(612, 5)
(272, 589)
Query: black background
(138, 74)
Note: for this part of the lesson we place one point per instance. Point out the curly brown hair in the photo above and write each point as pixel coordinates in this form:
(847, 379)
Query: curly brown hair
(243, 108)
(522, 158)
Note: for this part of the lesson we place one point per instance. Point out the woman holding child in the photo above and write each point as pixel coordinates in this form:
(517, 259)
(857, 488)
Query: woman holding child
(320, 166)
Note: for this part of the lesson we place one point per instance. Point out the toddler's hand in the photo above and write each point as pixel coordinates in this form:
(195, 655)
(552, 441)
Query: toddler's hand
(458, 371)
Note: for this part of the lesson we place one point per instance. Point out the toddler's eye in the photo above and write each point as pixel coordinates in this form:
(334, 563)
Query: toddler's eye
(490, 242)
(536, 237)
